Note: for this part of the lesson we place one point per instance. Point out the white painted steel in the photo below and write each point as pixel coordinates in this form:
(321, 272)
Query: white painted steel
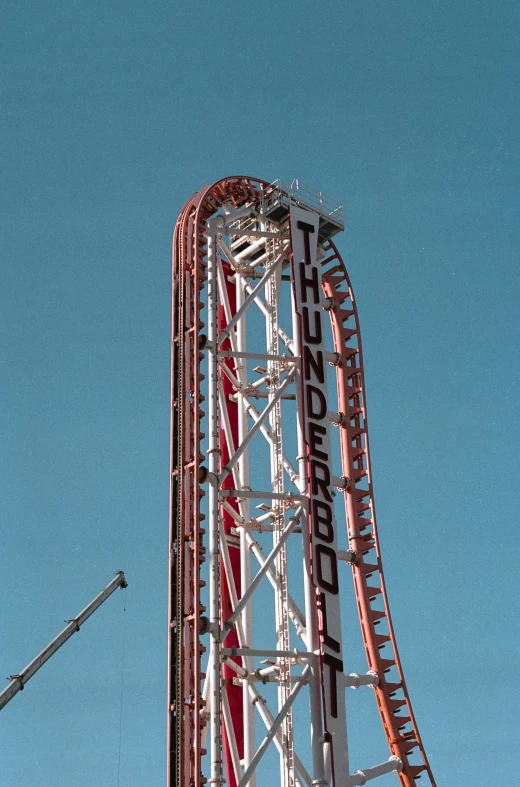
(214, 675)
(280, 531)
(354, 681)
(257, 356)
(231, 585)
(246, 595)
(255, 415)
(366, 775)
(300, 656)
(253, 493)
(315, 691)
(263, 308)
(231, 736)
(261, 234)
(284, 710)
(295, 614)
(306, 278)
(248, 709)
(250, 298)
(268, 719)
(284, 513)
(256, 428)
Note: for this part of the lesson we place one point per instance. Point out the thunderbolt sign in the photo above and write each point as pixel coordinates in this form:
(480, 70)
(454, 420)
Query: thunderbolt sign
(308, 298)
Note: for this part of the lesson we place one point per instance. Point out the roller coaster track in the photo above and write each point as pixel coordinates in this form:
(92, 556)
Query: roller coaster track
(225, 714)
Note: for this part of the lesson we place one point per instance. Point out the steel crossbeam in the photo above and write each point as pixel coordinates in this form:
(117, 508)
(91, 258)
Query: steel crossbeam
(251, 297)
(282, 715)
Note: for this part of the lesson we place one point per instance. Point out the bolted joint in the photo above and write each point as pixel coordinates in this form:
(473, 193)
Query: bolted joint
(354, 681)
(391, 765)
(337, 419)
(203, 624)
(214, 630)
(73, 620)
(334, 359)
(228, 626)
(19, 679)
(217, 224)
(348, 555)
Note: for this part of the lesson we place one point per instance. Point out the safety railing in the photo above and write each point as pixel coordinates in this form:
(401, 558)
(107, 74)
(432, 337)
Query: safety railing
(280, 193)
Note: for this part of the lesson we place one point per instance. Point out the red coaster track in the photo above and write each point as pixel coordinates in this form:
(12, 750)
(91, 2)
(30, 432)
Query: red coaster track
(188, 713)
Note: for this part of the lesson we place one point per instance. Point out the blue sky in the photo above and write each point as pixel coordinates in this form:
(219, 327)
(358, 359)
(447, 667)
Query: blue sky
(111, 115)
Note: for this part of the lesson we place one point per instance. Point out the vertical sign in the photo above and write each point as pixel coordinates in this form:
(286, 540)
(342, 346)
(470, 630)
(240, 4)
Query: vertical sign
(308, 298)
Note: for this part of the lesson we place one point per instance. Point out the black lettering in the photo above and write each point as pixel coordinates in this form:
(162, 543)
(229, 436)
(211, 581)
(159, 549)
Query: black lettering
(311, 284)
(332, 643)
(322, 515)
(317, 364)
(335, 665)
(332, 586)
(306, 229)
(315, 430)
(318, 483)
(321, 411)
(307, 335)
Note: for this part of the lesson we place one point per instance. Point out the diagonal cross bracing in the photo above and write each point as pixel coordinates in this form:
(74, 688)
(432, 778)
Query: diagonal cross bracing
(228, 721)
(274, 727)
(262, 417)
(253, 412)
(263, 571)
(232, 588)
(295, 613)
(251, 297)
(268, 719)
(263, 308)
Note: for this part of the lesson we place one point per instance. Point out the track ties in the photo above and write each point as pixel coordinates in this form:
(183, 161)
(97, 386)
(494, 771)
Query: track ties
(382, 657)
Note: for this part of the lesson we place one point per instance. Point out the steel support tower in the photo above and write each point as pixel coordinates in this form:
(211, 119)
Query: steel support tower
(272, 502)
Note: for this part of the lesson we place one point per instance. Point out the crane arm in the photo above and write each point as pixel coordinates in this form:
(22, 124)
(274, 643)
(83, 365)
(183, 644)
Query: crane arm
(18, 681)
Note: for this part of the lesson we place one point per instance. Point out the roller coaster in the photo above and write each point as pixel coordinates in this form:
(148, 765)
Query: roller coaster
(272, 502)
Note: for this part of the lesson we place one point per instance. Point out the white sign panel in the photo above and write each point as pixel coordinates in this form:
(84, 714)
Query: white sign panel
(308, 296)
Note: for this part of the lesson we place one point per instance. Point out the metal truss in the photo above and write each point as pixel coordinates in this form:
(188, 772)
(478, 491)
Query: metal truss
(281, 319)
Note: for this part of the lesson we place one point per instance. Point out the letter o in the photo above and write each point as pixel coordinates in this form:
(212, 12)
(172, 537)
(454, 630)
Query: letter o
(331, 586)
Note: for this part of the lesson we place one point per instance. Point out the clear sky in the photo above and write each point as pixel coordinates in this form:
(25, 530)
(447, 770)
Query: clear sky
(112, 113)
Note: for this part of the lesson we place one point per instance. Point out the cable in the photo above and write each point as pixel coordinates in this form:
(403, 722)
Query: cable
(122, 684)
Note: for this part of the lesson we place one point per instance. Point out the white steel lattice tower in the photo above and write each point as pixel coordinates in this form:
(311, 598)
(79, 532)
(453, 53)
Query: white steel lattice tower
(272, 502)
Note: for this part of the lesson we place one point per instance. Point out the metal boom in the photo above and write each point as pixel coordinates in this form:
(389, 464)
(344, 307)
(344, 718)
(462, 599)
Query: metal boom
(17, 682)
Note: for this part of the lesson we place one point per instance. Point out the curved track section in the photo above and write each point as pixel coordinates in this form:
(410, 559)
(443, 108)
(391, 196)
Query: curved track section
(187, 714)
(372, 602)
(188, 702)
